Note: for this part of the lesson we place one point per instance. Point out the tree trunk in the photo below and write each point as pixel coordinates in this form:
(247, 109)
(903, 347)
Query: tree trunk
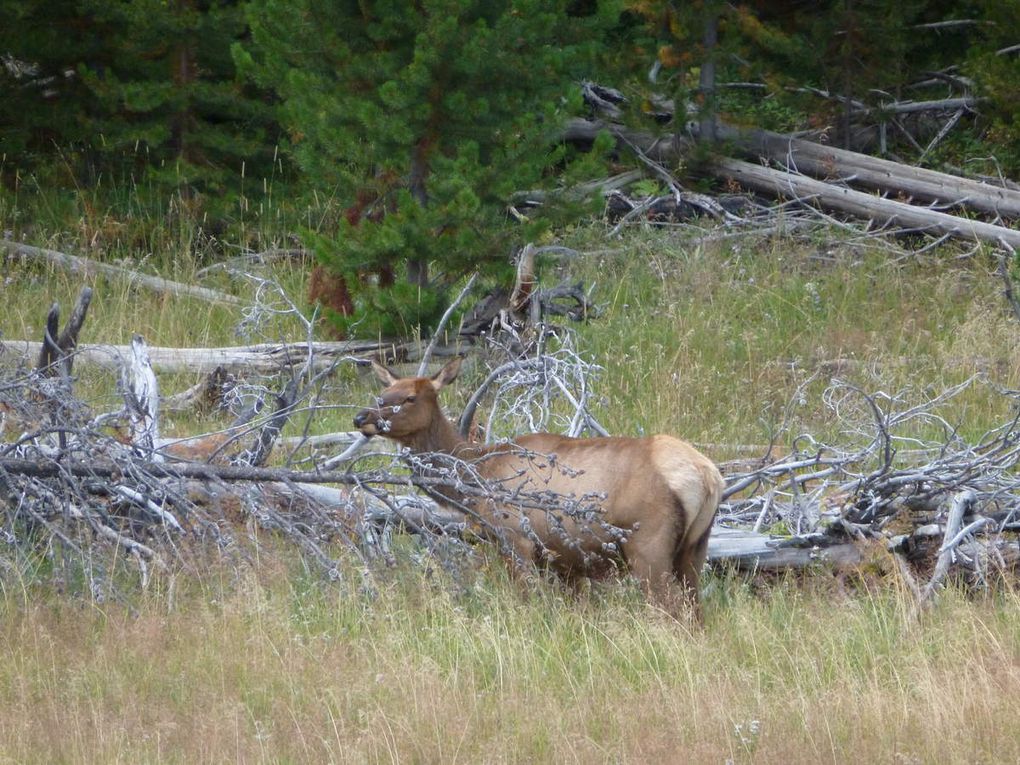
(418, 268)
(706, 83)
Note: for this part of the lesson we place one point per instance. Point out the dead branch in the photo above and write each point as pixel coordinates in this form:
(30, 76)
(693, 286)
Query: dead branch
(60, 349)
(82, 490)
(961, 502)
(85, 266)
(426, 355)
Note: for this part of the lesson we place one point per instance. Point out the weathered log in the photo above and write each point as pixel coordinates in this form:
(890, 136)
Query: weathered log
(820, 161)
(266, 357)
(860, 204)
(79, 265)
(830, 196)
(747, 550)
(141, 398)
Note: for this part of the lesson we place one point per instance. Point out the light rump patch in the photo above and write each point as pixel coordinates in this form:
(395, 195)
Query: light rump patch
(662, 492)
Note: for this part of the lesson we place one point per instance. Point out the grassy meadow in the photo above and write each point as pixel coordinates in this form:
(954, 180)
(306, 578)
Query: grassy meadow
(707, 339)
(276, 669)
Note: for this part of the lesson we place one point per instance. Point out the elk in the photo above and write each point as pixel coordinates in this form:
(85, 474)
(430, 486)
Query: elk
(660, 492)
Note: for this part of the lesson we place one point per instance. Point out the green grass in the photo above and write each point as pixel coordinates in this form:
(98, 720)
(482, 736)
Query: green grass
(712, 341)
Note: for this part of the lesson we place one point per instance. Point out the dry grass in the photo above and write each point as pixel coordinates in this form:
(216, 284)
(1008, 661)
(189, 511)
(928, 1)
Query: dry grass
(711, 341)
(705, 342)
(271, 671)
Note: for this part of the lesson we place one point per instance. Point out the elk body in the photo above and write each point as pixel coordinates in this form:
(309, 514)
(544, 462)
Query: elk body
(662, 492)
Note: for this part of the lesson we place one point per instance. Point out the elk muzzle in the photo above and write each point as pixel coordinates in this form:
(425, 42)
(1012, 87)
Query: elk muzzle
(368, 422)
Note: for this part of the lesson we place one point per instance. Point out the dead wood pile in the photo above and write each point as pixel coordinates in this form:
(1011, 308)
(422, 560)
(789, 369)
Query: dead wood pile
(91, 497)
(889, 195)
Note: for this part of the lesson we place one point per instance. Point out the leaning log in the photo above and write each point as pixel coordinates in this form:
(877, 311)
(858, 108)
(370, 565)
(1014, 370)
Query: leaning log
(857, 169)
(886, 212)
(830, 196)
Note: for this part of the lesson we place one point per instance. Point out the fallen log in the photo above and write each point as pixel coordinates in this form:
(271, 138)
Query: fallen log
(754, 551)
(79, 265)
(265, 357)
(851, 167)
(747, 550)
(828, 195)
(886, 212)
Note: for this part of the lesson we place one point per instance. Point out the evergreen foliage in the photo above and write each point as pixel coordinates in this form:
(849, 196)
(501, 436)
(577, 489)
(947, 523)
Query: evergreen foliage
(423, 119)
(994, 62)
(170, 86)
(144, 85)
(44, 101)
(423, 123)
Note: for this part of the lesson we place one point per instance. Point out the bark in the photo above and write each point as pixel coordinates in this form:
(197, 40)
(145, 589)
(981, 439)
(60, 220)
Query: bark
(706, 83)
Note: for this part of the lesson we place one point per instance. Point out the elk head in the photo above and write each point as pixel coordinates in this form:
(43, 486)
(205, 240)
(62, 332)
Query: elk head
(408, 407)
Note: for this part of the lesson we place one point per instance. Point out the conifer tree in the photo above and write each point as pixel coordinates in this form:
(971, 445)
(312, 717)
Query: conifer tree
(994, 62)
(147, 82)
(423, 118)
(170, 86)
(44, 99)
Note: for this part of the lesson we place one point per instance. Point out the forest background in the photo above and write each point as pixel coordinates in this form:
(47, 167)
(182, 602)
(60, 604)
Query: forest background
(390, 138)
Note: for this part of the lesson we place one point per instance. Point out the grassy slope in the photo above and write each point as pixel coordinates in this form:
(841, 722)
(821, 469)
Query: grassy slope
(708, 342)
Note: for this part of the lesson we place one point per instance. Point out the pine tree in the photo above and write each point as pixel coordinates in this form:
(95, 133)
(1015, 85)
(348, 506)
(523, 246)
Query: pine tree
(170, 89)
(994, 63)
(423, 118)
(42, 45)
(147, 85)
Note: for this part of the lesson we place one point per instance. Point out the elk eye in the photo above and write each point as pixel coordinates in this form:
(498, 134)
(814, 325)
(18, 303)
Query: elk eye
(409, 399)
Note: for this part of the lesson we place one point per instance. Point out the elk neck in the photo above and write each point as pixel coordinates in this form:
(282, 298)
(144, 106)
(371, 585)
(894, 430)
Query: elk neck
(440, 436)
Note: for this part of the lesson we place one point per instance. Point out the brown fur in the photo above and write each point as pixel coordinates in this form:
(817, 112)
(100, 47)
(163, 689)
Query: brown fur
(662, 490)
(330, 289)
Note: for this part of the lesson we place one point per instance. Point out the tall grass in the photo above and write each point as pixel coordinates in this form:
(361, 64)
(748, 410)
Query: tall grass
(277, 669)
(706, 340)
(712, 340)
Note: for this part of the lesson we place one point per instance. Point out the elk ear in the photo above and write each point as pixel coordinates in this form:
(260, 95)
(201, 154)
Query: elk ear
(385, 376)
(447, 374)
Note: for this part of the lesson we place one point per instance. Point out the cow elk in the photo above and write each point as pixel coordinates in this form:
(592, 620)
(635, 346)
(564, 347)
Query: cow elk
(657, 495)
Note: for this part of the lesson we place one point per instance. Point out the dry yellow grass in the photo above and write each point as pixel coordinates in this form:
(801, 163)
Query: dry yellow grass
(269, 671)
